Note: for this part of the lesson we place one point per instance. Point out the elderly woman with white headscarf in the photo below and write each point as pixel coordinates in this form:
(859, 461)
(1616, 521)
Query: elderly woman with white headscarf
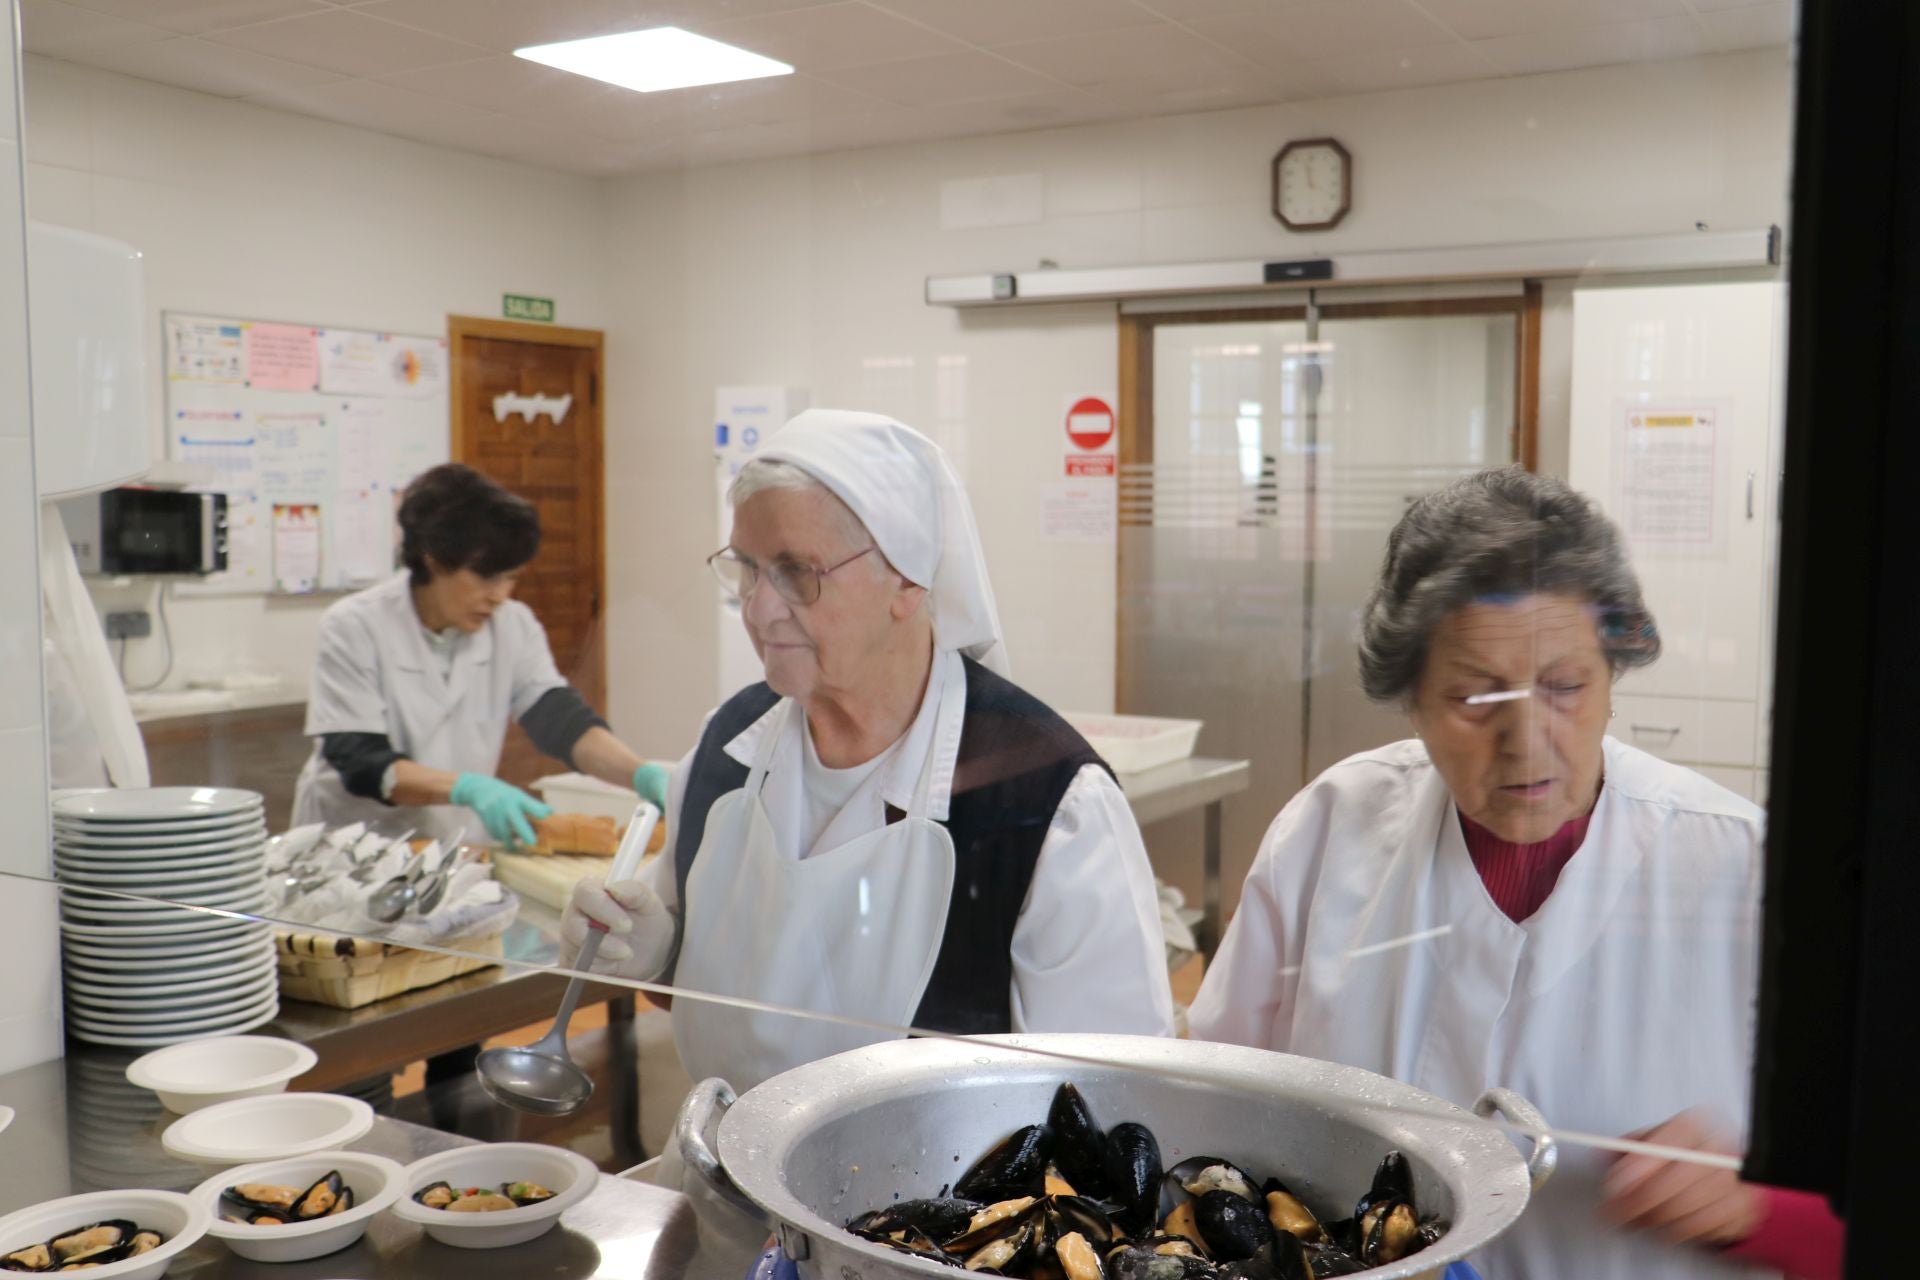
(887, 828)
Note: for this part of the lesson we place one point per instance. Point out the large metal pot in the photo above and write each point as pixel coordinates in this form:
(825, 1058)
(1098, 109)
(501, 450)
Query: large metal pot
(814, 1146)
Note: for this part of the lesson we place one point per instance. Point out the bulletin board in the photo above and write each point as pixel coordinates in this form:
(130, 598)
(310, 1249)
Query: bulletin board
(311, 433)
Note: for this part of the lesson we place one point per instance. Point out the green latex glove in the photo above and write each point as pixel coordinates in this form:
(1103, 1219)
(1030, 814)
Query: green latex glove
(650, 781)
(503, 807)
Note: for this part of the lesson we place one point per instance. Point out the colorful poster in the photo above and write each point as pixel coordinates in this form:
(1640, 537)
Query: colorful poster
(282, 357)
(353, 363)
(202, 350)
(296, 547)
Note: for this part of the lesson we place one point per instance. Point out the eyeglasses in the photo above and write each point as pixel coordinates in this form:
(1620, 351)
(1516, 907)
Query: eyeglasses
(797, 583)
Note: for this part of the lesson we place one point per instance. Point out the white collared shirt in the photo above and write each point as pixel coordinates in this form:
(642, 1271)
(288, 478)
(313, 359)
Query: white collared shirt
(1076, 965)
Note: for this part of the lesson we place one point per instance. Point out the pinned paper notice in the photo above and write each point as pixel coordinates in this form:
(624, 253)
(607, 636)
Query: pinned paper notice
(1079, 510)
(296, 547)
(1669, 468)
(282, 357)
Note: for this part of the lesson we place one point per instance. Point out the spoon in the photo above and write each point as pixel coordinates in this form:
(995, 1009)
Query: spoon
(390, 901)
(433, 886)
(541, 1078)
(364, 865)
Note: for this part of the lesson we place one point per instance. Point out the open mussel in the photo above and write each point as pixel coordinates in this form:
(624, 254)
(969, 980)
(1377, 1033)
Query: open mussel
(1389, 1231)
(1233, 1227)
(1289, 1213)
(94, 1245)
(268, 1204)
(1078, 1146)
(939, 1219)
(1133, 1175)
(1077, 1258)
(1393, 1180)
(1016, 1167)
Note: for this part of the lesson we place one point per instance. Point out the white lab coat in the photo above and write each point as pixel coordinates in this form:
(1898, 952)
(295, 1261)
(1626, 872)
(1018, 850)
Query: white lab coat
(375, 674)
(1087, 948)
(1628, 997)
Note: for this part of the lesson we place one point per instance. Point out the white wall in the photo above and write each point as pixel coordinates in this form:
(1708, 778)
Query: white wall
(808, 272)
(247, 212)
(30, 996)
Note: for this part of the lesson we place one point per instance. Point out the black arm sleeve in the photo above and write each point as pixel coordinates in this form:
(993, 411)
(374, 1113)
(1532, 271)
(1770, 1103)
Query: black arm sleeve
(361, 759)
(558, 720)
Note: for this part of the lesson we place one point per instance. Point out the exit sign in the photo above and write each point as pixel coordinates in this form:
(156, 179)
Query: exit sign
(515, 307)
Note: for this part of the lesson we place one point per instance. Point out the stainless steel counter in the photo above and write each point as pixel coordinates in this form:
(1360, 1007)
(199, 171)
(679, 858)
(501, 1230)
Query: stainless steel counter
(1196, 782)
(81, 1128)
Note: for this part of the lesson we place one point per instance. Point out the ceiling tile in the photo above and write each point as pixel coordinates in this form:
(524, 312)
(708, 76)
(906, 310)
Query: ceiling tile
(48, 26)
(204, 67)
(1198, 10)
(1387, 70)
(941, 80)
(506, 25)
(1484, 19)
(383, 108)
(1595, 46)
(1750, 27)
(1317, 30)
(831, 37)
(1162, 56)
(504, 83)
(991, 22)
(195, 16)
(350, 42)
(782, 98)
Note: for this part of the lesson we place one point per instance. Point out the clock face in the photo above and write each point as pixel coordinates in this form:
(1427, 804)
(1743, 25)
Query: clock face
(1312, 184)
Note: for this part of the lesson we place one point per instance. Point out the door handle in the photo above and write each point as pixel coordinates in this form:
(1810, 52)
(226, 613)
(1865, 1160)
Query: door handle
(1749, 495)
(1668, 732)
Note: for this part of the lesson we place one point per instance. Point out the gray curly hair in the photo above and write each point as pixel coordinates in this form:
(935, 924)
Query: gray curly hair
(1500, 533)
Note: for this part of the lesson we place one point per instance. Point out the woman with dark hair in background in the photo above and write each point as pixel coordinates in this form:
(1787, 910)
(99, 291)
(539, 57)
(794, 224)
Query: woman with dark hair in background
(417, 679)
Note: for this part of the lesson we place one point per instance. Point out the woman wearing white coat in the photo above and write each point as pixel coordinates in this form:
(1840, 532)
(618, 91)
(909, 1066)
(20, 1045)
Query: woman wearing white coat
(886, 828)
(418, 678)
(1516, 899)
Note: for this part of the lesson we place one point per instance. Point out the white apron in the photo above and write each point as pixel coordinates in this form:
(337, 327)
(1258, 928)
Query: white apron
(852, 931)
(1627, 998)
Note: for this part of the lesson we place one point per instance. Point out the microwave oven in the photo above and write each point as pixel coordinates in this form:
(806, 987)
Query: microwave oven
(127, 531)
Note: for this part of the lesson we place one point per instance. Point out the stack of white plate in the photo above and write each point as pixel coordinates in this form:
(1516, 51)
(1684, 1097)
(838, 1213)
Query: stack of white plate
(140, 972)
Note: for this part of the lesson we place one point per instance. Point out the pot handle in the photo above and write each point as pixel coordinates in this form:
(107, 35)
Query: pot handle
(1517, 1111)
(699, 1114)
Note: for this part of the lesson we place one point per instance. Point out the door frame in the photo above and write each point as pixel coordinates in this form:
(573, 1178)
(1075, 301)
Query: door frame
(1133, 416)
(463, 329)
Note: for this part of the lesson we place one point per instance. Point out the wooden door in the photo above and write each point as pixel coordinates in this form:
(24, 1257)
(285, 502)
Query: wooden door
(553, 462)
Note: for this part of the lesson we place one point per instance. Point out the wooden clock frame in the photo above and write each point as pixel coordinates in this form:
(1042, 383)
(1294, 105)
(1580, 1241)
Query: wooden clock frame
(1346, 183)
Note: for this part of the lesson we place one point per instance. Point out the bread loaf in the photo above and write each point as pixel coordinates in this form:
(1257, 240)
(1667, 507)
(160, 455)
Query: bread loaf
(576, 833)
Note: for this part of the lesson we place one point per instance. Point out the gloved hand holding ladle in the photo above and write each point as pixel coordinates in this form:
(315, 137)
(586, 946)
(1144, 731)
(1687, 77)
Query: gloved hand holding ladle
(541, 1077)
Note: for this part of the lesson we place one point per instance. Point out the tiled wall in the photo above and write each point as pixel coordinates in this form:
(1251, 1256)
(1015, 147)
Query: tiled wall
(30, 993)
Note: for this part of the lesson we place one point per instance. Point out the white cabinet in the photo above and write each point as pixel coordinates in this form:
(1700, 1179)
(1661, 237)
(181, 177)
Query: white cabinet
(1676, 432)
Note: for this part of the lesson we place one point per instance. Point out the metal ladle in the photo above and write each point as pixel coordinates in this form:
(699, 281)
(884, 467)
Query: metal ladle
(541, 1078)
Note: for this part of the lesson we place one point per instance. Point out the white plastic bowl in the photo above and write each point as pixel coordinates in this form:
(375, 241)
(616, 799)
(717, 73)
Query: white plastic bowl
(201, 1073)
(376, 1181)
(174, 1216)
(275, 1127)
(570, 1177)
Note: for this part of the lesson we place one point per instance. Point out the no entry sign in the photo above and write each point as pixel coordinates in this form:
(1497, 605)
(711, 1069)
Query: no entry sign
(1090, 423)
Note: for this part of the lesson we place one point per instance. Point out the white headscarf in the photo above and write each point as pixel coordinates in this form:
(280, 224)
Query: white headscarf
(905, 492)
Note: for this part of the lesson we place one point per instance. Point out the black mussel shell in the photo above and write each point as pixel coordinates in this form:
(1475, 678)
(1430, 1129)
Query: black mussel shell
(1085, 1217)
(344, 1203)
(421, 1195)
(1284, 1259)
(1007, 1254)
(1289, 1213)
(99, 1242)
(237, 1208)
(1331, 1260)
(1393, 1180)
(1017, 1167)
(1137, 1263)
(918, 1243)
(1233, 1227)
(1389, 1232)
(1079, 1148)
(1004, 1217)
(941, 1219)
(1133, 1175)
(320, 1199)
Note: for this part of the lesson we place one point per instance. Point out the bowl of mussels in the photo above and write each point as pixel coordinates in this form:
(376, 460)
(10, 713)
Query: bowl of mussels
(115, 1235)
(304, 1207)
(494, 1194)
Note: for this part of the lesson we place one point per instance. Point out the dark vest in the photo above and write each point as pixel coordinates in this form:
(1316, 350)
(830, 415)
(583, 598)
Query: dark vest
(1017, 758)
